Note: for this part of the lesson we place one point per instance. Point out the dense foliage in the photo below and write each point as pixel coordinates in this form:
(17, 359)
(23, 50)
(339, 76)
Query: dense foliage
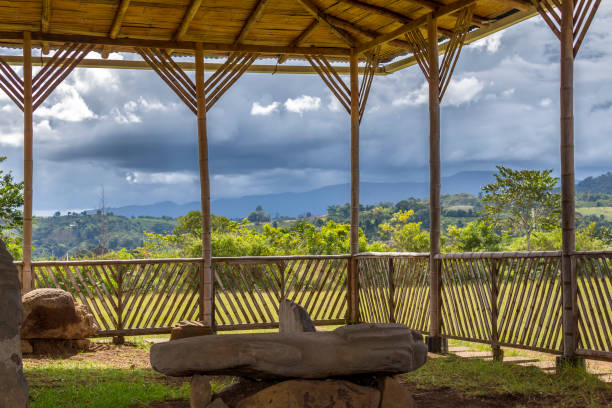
(11, 217)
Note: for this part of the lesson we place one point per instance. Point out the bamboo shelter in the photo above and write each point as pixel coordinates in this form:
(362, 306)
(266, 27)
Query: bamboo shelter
(330, 38)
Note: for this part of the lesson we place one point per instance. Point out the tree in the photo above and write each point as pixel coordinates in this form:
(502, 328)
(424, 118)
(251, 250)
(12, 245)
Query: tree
(259, 215)
(522, 201)
(11, 199)
(406, 236)
(474, 237)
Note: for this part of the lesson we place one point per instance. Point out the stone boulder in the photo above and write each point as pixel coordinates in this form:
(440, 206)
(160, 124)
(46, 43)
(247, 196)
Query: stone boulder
(293, 318)
(185, 329)
(312, 394)
(347, 351)
(53, 314)
(13, 386)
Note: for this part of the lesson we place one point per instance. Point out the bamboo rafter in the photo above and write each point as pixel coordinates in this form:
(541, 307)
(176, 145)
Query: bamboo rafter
(338, 86)
(53, 72)
(62, 63)
(184, 87)
(584, 12)
(11, 83)
(420, 50)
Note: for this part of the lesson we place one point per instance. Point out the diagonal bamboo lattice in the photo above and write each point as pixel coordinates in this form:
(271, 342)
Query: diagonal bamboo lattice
(338, 86)
(184, 87)
(420, 50)
(64, 60)
(249, 293)
(503, 299)
(395, 289)
(594, 293)
(584, 12)
(513, 301)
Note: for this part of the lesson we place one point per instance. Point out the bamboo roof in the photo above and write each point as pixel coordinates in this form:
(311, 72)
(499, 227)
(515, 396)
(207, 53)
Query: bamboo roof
(283, 29)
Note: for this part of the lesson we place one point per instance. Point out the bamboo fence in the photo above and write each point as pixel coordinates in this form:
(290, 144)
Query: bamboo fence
(510, 299)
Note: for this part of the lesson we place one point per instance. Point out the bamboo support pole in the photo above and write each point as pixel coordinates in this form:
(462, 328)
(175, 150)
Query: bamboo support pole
(498, 354)
(568, 224)
(28, 162)
(206, 273)
(434, 178)
(354, 91)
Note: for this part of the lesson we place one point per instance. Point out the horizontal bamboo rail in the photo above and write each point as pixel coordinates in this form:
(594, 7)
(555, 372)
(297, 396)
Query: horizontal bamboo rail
(510, 299)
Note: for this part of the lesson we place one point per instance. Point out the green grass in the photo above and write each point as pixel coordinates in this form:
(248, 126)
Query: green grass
(573, 387)
(91, 385)
(597, 211)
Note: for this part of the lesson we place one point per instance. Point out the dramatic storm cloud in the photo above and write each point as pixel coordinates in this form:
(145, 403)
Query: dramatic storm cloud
(127, 131)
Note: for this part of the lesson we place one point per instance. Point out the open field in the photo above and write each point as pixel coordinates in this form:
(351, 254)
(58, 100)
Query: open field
(597, 211)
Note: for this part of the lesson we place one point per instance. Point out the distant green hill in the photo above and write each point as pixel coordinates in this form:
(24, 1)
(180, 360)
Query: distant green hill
(81, 234)
(599, 184)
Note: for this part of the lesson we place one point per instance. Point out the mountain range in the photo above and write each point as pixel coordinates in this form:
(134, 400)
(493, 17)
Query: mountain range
(313, 201)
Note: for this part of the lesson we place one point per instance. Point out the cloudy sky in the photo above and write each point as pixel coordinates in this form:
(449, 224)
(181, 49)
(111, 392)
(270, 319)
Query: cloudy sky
(126, 131)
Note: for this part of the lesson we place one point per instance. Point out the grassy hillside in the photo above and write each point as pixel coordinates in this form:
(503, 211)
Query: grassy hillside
(80, 234)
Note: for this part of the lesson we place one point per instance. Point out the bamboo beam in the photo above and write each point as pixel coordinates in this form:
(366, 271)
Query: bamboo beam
(434, 183)
(45, 18)
(186, 66)
(187, 19)
(182, 45)
(28, 162)
(252, 19)
(354, 94)
(442, 11)
(568, 205)
(324, 19)
(206, 273)
(117, 22)
(300, 38)
(355, 29)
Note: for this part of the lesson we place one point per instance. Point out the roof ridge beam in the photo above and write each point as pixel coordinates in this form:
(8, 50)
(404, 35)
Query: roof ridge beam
(442, 11)
(324, 19)
(251, 20)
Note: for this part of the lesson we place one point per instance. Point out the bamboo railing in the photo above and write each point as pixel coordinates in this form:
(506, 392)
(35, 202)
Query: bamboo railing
(510, 299)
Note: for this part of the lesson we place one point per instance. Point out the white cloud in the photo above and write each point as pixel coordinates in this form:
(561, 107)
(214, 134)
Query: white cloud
(417, 97)
(257, 109)
(303, 104)
(508, 92)
(71, 107)
(133, 107)
(463, 91)
(11, 139)
(491, 43)
(159, 178)
(546, 102)
(111, 56)
(334, 104)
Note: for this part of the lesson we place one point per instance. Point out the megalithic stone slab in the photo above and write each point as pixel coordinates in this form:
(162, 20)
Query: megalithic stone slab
(293, 318)
(13, 386)
(346, 351)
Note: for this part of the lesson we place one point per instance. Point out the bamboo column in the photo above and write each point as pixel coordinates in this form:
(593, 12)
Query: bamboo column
(568, 224)
(435, 342)
(28, 162)
(206, 274)
(354, 94)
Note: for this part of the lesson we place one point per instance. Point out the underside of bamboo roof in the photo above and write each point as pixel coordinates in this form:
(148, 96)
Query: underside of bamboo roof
(280, 29)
